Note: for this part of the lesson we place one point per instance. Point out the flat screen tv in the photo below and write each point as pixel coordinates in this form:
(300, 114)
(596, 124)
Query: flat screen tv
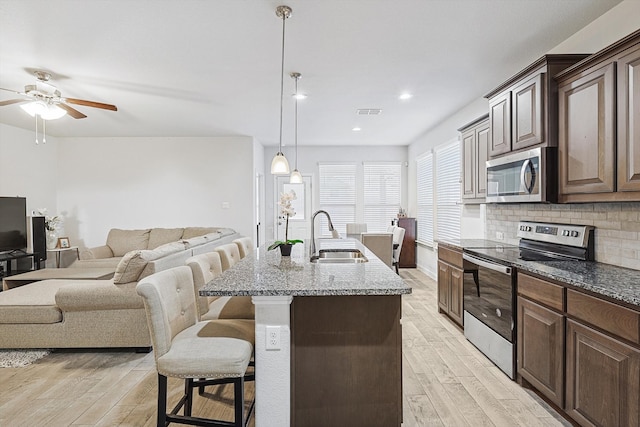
(13, 223)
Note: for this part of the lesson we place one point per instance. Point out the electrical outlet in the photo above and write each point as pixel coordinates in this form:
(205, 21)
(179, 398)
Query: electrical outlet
(273, 338)
(499, 235)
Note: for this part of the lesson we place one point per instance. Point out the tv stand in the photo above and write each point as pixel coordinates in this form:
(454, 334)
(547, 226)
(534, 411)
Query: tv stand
(15, 251)
(9, 257)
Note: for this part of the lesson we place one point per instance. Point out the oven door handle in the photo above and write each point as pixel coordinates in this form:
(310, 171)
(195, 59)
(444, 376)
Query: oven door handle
(482, 263)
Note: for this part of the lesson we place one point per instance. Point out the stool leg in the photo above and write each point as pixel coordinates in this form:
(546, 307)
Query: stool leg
(162, 401)
(238, 401)
(188, 391)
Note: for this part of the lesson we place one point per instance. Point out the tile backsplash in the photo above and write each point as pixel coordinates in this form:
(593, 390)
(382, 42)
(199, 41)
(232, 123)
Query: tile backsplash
(617, 233)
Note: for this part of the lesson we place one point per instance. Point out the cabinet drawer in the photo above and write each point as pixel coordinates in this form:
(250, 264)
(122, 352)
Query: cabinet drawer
(610, 317)
(542, 291)
(450, 256)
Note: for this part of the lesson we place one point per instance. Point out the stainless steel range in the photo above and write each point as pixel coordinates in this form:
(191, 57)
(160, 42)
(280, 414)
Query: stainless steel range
(490, 283)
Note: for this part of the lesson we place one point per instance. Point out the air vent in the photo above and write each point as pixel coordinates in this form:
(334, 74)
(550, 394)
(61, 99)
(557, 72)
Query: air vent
(369, 111)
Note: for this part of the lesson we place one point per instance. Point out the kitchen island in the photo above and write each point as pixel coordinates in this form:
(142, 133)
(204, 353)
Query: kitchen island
(328, 336)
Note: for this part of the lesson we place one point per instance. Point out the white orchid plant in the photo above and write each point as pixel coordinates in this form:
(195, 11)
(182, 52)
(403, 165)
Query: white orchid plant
(51, 223)
(286, 210)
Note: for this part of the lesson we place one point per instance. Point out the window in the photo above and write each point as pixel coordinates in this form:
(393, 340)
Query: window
(438, 194)
(424, 172)
(381, 194)
(448, 191)
(337, 196)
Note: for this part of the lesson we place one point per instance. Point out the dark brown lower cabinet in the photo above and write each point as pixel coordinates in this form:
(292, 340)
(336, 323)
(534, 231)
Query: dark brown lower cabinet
(541, 349)
(579, 351)
(346, 362)
(450, 283)
(603, 378)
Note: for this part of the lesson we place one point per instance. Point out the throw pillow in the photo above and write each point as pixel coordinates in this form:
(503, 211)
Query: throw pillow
(130, 266)
(133, 263)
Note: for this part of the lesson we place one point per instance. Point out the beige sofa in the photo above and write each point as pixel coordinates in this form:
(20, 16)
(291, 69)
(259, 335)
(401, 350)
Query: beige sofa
(119, 242)
(95, 313)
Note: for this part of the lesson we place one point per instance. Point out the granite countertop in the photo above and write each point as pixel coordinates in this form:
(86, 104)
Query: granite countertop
(267, 273)
(617, 283)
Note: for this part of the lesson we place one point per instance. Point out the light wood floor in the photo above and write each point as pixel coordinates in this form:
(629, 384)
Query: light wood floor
(447, 382)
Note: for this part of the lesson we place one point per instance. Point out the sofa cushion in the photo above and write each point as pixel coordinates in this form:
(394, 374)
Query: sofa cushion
(32, 303)
(134, 262)
(190, 232)
(123, 241)
(160, 236)
(196, 241)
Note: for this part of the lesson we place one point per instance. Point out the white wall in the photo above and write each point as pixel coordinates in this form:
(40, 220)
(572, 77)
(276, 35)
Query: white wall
(615, 24)
(310, 156)
(258, 191)
(154, 182)
(28, 170)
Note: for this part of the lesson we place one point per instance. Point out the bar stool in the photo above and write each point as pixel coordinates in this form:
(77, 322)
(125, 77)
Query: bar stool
(245, 246)
(218, 350)
(205, 267)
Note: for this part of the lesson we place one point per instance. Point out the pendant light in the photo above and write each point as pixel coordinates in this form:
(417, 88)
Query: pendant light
(279, 164)
(296, 176)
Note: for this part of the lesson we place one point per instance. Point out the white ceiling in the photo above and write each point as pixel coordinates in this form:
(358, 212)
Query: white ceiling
(212, 68)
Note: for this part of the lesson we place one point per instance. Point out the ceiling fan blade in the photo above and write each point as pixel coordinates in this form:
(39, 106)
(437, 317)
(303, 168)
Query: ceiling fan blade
(12, 101)
(72, 111)
(11, 90)
(91, 104)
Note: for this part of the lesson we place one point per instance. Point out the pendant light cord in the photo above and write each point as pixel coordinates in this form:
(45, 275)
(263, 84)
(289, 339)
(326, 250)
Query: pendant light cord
(284, 17)
(296, 123)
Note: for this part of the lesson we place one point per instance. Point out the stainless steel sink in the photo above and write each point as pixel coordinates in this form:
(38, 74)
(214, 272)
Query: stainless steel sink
(339, 256)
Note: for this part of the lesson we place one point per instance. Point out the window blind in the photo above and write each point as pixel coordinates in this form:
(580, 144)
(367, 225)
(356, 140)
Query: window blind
(337, 196)
(382, 194)
(424, 186)
(448, 191)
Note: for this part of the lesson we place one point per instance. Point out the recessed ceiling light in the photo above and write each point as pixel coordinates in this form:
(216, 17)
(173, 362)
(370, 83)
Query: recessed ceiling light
(405, 96)
(356, 129)
(299, 96)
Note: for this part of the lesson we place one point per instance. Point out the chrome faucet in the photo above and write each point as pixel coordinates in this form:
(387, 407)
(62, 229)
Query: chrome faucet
(334, 233)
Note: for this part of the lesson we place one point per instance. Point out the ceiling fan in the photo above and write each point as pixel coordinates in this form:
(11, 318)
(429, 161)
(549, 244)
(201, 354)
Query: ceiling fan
(47, 101)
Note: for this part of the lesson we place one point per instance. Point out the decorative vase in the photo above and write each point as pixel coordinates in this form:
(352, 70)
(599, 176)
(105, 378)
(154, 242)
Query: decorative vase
(52, 239)
(285, 250)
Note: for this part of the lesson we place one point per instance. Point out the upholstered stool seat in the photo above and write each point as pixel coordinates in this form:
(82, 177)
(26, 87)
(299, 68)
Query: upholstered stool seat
(227, 342)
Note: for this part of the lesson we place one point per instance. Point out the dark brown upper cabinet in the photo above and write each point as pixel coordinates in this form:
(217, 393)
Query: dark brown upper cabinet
(523, 110)
(599, 126)
(475, 152)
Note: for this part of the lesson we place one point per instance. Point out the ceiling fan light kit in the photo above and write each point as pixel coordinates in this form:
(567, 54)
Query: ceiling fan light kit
(279, 164)
(44, 110)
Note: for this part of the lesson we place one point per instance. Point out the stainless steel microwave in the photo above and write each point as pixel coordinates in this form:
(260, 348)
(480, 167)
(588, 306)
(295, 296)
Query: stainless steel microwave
(526, 176)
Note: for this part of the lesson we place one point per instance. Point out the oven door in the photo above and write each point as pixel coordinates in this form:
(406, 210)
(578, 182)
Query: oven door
(489, 321)
(488, 295)
(518, 177)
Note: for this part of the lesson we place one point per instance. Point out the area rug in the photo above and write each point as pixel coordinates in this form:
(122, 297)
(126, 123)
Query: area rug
(19, 358)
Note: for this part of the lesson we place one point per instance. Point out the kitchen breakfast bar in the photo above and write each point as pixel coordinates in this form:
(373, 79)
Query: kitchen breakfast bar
(328, 346)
